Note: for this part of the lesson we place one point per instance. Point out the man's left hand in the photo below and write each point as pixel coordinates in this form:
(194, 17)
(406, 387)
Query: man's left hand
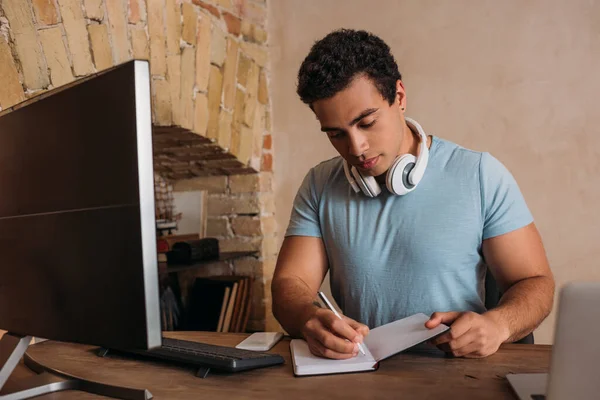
(471, 335)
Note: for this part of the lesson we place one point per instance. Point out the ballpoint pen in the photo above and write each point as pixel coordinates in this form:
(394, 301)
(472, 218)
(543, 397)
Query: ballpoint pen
(330, 306)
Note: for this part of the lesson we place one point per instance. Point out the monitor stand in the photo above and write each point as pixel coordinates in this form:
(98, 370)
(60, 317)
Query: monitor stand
(13, 347)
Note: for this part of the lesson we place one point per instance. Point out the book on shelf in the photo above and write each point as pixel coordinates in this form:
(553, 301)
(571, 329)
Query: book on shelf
(219, 304)
(223, 309)
(237, 310)
(229, 312)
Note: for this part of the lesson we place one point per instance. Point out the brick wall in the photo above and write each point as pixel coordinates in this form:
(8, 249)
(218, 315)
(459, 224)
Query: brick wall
(210, 98)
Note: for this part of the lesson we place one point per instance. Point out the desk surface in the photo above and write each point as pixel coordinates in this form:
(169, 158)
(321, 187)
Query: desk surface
(420, 374)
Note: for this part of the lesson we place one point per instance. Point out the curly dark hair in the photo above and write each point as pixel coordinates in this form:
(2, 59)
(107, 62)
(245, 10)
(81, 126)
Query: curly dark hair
(335, 60)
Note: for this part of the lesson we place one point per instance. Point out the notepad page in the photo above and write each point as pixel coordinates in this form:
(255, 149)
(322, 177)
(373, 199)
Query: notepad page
(387, 340)
(306, 363)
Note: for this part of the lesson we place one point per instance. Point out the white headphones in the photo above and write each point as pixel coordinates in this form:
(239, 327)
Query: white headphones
(403, 176)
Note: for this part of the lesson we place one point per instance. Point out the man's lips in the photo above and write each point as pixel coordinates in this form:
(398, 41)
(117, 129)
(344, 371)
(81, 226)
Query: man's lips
(368, 164)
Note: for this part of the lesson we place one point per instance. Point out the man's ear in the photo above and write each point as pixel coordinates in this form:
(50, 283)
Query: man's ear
(400, 93)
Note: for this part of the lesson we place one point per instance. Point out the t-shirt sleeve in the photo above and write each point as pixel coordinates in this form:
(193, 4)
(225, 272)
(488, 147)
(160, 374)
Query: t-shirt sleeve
(304, 219)
(503, 205)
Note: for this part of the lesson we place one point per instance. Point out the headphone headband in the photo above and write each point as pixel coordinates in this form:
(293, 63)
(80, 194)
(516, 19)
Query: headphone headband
(423, 157)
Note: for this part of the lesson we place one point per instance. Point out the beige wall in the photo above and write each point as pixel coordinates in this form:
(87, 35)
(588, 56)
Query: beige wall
(518, 79)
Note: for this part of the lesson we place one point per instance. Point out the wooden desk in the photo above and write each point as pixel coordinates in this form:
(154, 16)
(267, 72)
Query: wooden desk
(407, 375)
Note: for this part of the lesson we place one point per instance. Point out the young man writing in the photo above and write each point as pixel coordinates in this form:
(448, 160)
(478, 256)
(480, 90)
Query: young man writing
(405, 222)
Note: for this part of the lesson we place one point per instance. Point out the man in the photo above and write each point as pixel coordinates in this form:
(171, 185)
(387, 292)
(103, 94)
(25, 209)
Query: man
(393, 254)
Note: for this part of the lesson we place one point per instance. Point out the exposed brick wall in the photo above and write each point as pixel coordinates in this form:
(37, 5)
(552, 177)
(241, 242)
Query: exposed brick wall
(208, 61)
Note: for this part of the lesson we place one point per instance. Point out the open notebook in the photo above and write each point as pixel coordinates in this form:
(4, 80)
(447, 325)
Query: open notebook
(381, 343)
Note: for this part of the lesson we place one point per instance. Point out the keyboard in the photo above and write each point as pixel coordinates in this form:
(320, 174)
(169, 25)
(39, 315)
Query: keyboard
(213, 356)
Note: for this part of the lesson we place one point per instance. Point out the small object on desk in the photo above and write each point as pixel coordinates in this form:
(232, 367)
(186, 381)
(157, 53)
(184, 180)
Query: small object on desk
(331, 308)
(260, 341)
(191, 251)
(381, 343)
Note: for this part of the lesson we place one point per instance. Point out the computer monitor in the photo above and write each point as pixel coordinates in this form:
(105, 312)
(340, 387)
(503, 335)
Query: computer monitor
(78, 259)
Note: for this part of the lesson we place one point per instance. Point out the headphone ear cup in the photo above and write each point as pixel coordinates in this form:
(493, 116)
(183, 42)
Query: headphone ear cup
(350, 179)
(397, 181)
(368, 184)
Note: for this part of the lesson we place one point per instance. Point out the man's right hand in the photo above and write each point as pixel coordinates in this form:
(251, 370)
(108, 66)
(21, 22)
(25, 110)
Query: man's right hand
(330, 337)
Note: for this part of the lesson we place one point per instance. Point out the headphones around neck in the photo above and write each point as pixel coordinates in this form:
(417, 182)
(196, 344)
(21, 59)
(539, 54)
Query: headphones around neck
(403, 176)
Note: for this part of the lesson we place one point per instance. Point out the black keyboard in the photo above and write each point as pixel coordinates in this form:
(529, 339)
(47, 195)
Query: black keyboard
(211, 356)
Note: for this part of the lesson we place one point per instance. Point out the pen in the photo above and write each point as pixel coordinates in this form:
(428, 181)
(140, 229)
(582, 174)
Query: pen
(330, 306)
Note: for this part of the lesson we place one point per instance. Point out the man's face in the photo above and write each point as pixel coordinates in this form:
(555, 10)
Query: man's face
(362, 126)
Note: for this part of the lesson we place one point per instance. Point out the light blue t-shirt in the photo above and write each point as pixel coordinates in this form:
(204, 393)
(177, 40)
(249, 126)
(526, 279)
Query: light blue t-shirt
(394, 256)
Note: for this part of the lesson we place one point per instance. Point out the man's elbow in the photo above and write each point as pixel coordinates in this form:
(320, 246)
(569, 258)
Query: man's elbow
(539, 288)
(275, 283)
(551, 288)
(546, 286)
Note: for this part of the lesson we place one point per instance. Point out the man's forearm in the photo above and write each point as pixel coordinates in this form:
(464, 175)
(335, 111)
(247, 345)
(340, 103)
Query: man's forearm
(293, 303)
(524, 306)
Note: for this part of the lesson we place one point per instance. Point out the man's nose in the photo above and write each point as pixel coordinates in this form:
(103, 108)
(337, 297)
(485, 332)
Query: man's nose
(357, 144)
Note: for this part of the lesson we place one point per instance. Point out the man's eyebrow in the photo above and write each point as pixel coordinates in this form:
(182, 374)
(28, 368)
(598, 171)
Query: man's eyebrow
(363, 114)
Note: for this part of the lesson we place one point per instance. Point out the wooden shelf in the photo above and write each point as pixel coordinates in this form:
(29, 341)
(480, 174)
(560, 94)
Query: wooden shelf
(226, 256)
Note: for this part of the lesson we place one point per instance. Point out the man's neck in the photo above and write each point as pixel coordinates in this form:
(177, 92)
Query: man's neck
(411, 143)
